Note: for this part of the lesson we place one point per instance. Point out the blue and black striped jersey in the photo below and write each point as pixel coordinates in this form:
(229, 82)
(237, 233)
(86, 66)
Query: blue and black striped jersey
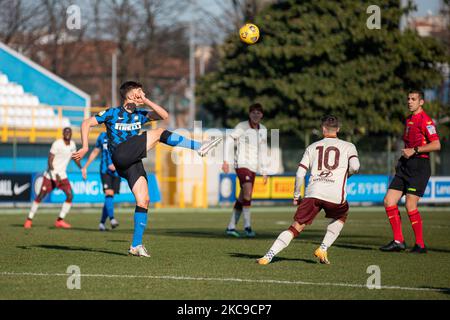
(102, 144)
(122, 125)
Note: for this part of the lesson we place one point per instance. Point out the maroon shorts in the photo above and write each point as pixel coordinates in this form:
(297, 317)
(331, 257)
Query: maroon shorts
(245, 175)
(310, 207)
(48, 185)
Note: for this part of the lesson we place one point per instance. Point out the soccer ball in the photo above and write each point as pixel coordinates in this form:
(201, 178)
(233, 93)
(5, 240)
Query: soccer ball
(249, 33)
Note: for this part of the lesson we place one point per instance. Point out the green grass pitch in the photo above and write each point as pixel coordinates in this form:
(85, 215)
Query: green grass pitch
(193, 259)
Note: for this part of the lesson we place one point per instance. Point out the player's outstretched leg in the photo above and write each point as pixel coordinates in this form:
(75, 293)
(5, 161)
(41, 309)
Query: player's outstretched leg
(175, 140)
(333, 230)
(283, 240)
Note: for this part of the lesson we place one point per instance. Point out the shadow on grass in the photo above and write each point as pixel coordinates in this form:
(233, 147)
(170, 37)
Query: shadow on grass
(214, 233)
(352, 246)
(443, 289)
(96, 230)
(438, 250)
(67, 248)
(275, 259)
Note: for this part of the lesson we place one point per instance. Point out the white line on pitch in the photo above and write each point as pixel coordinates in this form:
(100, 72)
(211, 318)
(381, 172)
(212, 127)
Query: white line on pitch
(333, 284)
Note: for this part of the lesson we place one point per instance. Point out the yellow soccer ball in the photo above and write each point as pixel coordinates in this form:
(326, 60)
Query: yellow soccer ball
(249, 33)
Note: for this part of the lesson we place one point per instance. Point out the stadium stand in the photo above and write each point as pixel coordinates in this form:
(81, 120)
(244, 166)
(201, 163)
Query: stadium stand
(28, 85)
(19, 109)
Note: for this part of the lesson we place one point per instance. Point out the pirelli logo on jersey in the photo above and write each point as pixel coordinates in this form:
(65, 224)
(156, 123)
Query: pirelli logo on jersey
(128, 126)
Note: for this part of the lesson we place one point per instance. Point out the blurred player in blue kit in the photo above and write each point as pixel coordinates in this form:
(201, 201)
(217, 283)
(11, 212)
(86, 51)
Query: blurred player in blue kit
(110, 179)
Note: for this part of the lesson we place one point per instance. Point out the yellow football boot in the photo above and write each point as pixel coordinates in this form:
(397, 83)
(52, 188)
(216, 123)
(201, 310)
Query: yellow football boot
(322, 255)
(263, 261)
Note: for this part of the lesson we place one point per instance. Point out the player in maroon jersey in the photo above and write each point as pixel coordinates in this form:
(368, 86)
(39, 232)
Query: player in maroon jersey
(411, 173)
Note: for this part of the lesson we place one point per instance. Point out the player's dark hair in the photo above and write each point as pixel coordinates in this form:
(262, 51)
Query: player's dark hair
(419, 92)
(127, 86)
(330, 121)
(256, 106)
(67, 128)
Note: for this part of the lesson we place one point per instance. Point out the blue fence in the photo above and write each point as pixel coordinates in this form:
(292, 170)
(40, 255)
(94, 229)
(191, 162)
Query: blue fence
(360, 189)
(36, 164)
(22, 187)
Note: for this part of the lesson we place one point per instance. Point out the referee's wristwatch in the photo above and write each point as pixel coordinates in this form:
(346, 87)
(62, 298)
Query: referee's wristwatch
(416, 150)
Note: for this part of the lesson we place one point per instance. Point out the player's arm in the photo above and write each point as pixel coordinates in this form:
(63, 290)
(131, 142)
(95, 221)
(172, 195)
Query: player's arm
(50, 159)
(109, 162)
(263, 158)
(353, 165)
(299, 181)
(159, 113)
(85, 128)
(91, 158)
(303, 168)
(353, 161)
(78, 163)
(230, 141)
(434, 145)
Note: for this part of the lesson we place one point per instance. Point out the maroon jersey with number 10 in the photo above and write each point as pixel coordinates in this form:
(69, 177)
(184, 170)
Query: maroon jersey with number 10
(419, 131)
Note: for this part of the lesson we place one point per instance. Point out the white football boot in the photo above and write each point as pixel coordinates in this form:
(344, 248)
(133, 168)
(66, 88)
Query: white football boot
(114, 223)
(138, 251)
(208, 146)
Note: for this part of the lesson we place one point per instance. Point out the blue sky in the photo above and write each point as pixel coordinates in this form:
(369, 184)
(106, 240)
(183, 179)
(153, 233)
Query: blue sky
(424, 5)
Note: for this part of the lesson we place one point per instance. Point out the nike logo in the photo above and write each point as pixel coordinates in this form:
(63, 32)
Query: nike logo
(18, 190)
(120, 118)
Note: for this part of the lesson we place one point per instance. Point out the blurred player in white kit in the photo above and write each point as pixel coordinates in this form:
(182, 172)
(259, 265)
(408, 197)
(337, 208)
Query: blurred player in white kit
(56, 177)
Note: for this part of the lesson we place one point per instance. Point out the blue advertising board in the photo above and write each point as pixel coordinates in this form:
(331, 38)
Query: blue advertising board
(360, 189)
(91, 190)
(367, 188)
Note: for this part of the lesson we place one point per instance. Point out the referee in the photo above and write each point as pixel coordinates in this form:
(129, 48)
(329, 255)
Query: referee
(411, 173)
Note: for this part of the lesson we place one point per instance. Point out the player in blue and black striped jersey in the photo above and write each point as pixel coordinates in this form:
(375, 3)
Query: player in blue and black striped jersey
(110, 179)
(128, 147)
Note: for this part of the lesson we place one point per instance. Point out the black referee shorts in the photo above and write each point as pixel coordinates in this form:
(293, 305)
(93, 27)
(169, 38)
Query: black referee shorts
(110, 182)
(411, 176)
(127, 158)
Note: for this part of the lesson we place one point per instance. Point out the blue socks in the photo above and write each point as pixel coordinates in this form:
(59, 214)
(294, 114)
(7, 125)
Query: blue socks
(140, 222)
(108, 209)
(109, 204)
(104, 214)
(175, 140)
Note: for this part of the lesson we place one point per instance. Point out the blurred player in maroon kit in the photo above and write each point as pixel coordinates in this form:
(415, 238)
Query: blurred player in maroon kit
(411, 173)
(56, 177)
